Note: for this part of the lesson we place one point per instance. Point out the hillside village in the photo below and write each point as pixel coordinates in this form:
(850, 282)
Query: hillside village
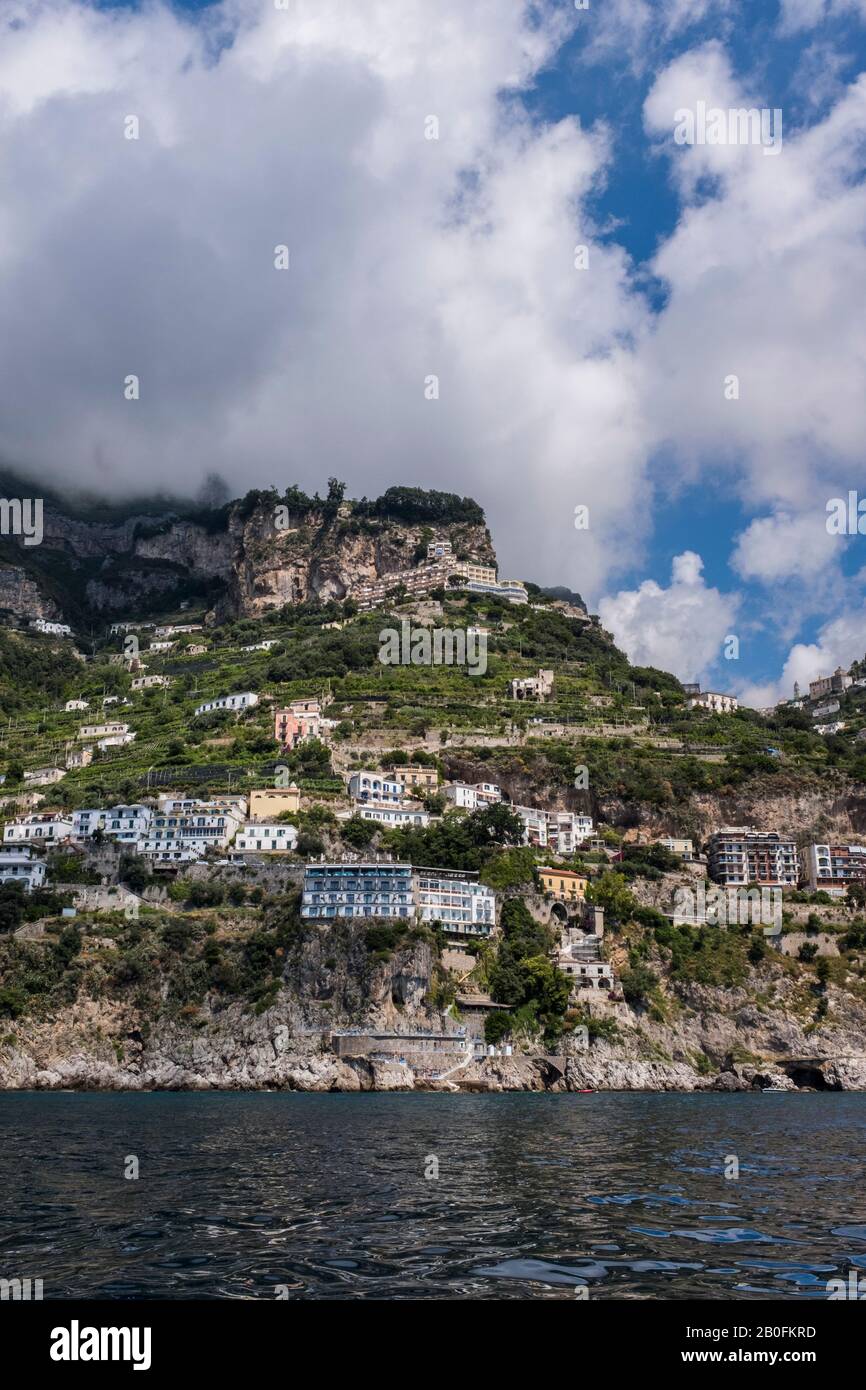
(241, 847)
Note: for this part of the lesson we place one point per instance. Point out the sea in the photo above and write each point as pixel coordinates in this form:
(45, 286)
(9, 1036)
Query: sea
(252, 1195)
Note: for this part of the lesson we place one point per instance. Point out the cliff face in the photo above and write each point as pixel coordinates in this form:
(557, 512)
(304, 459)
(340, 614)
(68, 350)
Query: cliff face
(330, 982)
(248, 558)
(324, 557)
(19, 595)
(817, 815)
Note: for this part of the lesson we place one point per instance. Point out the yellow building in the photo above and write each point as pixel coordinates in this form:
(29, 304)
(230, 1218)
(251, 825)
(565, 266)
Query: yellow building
(564, 884)
(270, 802)
(424, 778)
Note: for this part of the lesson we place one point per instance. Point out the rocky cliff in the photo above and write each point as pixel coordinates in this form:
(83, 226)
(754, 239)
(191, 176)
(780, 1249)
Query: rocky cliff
(762, 1032)
(253, 554)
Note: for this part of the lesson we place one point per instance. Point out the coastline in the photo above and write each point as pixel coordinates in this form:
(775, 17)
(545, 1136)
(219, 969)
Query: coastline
(322, 1073)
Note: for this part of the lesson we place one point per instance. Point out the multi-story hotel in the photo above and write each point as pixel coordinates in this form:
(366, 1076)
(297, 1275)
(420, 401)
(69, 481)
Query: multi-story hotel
(740, 855)
(456, 899)
(209, 827)
(357, 890)
(562, 831)
(832, 867)
(462, 905)
(125, 824)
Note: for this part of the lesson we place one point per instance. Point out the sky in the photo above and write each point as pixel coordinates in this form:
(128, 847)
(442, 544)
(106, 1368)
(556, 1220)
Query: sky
(493, 248)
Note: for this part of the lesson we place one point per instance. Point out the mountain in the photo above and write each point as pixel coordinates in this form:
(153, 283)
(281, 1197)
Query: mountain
(240, 559)
(219, 981)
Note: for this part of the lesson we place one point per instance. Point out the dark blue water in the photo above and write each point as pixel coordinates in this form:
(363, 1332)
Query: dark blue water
(327, 1197)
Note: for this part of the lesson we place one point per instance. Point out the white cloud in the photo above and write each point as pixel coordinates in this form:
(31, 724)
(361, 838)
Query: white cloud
(409, 257)
(413, 257)
(765, 278)
(781, 546)
(680, 629)
(640, 30)
(839, 642)
(795, 15)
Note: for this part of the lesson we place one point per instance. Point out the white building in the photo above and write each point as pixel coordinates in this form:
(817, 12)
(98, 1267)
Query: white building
(53, 629)
(262, 646)
(835, 728)
(677, 845)
(562, 831)
(474, 797)
(150, 682)
(185, 806)
(832, 867)
(390, 816)
(102, 730)
(376, 788)
(125, 824)
(188, 855)
(245, 700)
(82, 704)
(81, 757)
(255, 837)
(464, 906)
(538, 687)
(207, 826)
(44, 776)
(714, 702)
(176, 629)
(115, 741)
(821, 711)
(48, 828)
(19, 866)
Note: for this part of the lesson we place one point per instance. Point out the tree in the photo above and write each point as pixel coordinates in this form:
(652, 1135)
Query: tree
(357, 832)
(638, 983)
(497, 1026)
(611, 892)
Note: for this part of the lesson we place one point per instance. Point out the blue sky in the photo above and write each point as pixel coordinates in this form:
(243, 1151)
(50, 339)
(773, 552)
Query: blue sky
(554, 388)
